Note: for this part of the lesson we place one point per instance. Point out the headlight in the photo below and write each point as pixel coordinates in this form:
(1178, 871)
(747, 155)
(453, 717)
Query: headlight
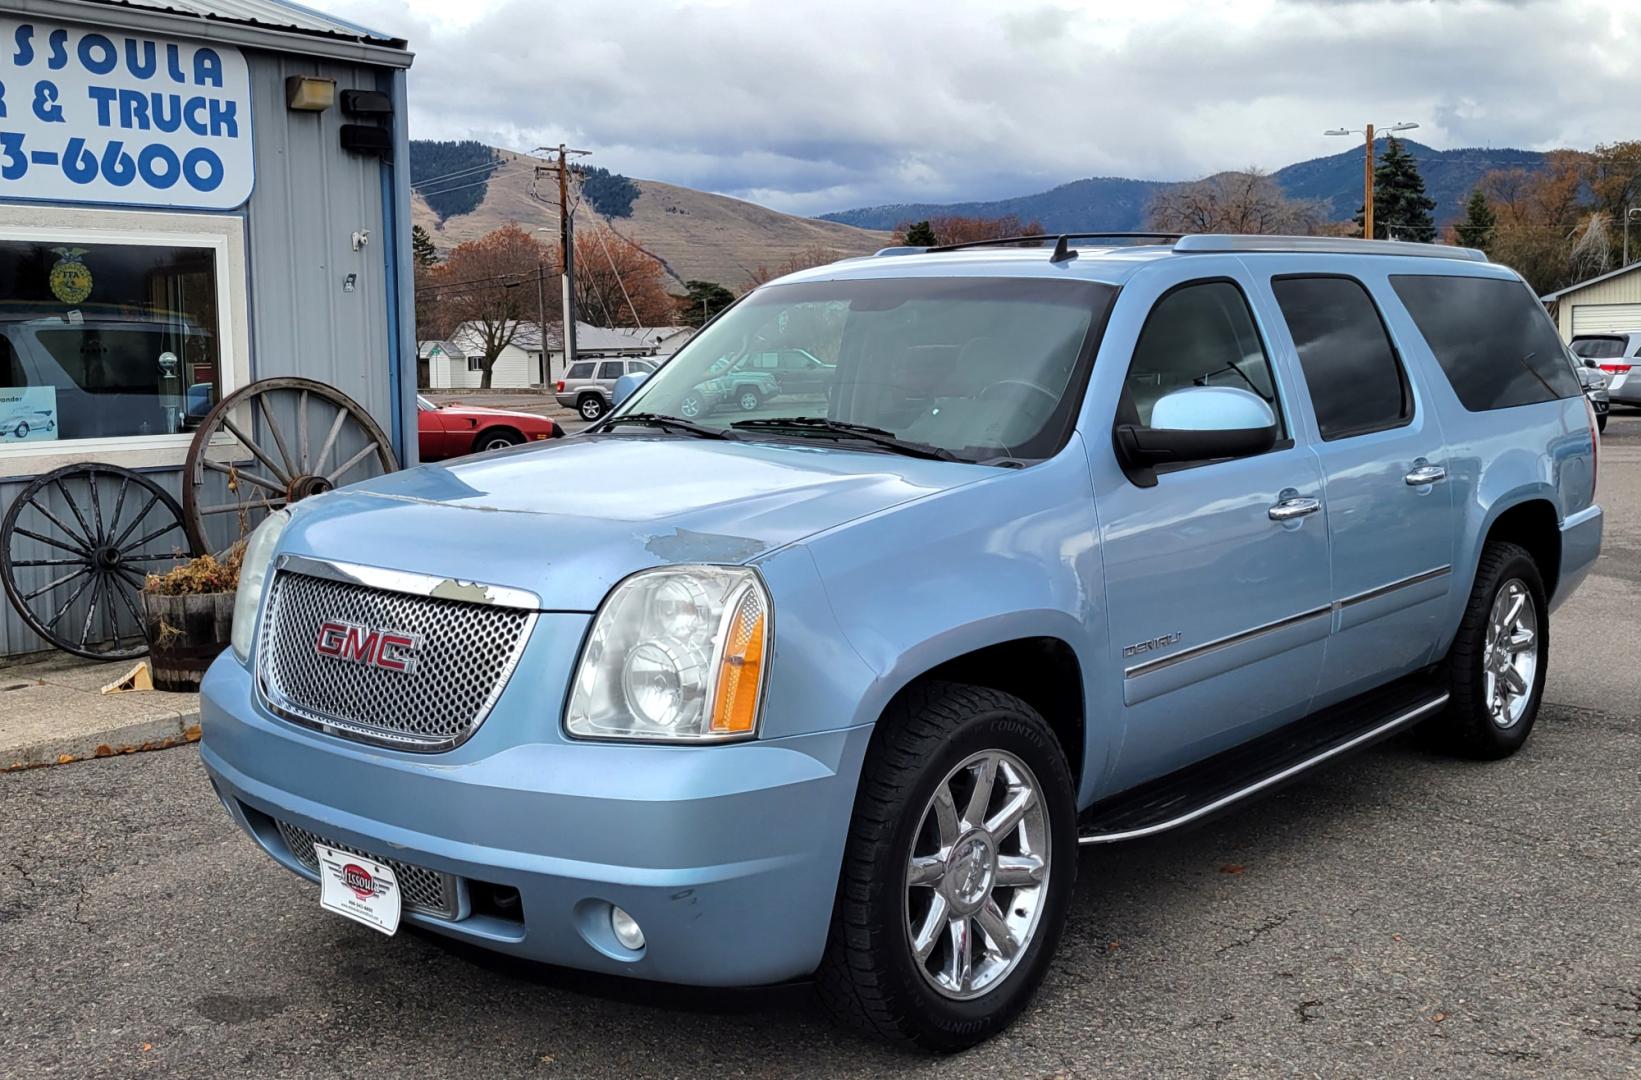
(253, 578)
(713, 386)
(675, 654)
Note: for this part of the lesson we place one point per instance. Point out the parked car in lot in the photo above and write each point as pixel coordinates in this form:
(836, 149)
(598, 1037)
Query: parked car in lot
(586, 386)
(1086, 543)
(446, 431)
(1617, 355)
(731, 384)
(1594, 382)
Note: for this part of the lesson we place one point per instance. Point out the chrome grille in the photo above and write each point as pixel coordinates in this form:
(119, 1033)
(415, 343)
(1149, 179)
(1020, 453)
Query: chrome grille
(420, 889)
(464, 654)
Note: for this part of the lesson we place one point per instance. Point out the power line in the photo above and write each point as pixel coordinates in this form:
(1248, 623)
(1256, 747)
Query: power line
(496, 164)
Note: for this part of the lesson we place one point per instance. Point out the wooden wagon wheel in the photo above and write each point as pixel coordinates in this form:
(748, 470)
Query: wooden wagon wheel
(303, 438)
(74, 572)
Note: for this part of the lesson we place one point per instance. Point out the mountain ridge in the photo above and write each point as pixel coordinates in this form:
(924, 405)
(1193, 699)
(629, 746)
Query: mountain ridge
(1116, 203)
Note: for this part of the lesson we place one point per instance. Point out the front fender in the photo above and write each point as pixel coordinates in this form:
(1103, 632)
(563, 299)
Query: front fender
(1013, 556)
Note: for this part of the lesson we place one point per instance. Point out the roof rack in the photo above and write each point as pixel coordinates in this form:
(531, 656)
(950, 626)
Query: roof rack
(1342, 245)
(1062, 241)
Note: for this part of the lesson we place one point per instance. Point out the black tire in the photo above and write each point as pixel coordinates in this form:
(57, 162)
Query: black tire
(591, 407)
(1467, 727)
(496, 439)
(22, 430)
(869, 978)
(749, 400)
(1601, 422)
(693, 405)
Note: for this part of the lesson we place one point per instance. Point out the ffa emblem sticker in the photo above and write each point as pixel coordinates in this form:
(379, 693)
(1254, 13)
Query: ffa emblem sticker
(70, 278)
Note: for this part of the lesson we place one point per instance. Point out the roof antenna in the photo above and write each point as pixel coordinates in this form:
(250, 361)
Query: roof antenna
(1063, 252)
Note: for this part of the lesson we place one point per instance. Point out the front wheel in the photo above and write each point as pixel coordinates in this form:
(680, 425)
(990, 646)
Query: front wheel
(22, 431)
(958, 872)
(1496, 667)
(497, 440)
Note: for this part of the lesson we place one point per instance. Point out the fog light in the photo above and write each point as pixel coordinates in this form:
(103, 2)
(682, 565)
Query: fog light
(626, 929)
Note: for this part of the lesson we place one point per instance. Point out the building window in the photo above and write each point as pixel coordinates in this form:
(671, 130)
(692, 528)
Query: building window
(108, 340)
(119, 332)
(475, 363)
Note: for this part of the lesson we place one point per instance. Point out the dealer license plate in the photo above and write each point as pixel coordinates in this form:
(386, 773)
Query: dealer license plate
(358, 888)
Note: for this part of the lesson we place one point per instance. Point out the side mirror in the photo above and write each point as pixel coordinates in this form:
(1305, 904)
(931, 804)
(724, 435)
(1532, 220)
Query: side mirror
(1197, 423)
(625, 385)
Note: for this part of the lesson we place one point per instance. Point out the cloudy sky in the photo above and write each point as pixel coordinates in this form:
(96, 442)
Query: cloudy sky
(817, 105)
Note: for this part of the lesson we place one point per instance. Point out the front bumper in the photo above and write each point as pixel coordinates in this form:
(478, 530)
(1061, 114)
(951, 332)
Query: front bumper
(727, 856)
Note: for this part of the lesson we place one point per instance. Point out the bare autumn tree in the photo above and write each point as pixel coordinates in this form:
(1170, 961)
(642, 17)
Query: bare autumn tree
(1539, 214)
(1232, 202)
(617, 283)
(488, 287)
(802, 259)
(955, 229)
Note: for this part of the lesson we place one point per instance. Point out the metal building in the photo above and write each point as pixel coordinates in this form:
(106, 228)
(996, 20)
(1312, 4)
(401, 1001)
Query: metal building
(197, 169)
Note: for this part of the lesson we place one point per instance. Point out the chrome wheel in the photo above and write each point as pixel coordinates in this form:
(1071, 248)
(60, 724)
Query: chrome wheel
(691, 407)
(750, 401)
(591, 408)
(977, 875)
(1510, 660)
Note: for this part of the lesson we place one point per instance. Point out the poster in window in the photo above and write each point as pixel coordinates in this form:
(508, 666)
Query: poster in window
(27, 414)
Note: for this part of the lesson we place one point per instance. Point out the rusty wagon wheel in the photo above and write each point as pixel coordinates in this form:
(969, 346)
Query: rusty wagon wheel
(75, 548)
(303, 438)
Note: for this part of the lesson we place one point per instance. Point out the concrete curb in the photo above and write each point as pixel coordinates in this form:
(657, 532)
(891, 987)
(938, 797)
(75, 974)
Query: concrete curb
(140, 735)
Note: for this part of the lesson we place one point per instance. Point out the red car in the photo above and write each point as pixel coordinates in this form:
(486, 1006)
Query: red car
(447, 431)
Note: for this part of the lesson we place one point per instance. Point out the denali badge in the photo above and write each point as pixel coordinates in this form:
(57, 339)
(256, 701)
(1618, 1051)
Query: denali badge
(390, 650)
(1153, 645)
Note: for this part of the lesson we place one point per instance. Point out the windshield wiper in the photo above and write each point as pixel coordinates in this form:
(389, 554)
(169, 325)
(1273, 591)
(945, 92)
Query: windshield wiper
(841, 429)
(667, 423)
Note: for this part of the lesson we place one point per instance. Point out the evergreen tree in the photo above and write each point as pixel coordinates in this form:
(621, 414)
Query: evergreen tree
(421, 247)
(1401, 209)
(1476, 230)
(920, 234)
(703, 300)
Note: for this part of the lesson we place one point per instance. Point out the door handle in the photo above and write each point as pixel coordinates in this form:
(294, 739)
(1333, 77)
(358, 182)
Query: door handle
(1298, 507)
(1425, 474)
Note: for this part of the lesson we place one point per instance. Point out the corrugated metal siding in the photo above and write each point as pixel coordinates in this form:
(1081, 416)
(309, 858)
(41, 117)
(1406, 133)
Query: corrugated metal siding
(269, 13)
(310, 197)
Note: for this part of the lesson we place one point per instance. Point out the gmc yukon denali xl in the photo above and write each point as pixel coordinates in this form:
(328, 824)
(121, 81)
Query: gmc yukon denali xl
(1084, 541)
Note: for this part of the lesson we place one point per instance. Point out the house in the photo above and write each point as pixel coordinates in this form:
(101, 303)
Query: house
(1607, 302)
(457, 363)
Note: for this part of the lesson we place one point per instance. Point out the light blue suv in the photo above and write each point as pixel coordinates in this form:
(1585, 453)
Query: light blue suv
(1085, 541)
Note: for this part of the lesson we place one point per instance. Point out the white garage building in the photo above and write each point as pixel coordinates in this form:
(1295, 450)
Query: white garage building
(1601, 305)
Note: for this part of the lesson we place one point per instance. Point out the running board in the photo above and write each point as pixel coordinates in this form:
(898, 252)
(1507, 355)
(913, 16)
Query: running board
(1219, 782)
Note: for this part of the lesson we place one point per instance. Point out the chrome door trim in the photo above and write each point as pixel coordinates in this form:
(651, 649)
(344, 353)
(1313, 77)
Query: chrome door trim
(1384, 590)
(1401, 720)
(1224, 643)
(404, 581)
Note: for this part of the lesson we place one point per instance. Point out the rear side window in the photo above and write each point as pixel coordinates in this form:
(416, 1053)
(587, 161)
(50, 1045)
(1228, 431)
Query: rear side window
(610, 369)
(1491, 338)
(580, 371)
(1356, 382)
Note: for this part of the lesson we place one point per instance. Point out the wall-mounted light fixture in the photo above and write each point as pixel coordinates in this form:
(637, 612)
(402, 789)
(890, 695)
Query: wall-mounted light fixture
(308, 93)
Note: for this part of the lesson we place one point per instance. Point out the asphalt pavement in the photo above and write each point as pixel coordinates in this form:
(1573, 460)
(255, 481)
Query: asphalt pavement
(1395, 915)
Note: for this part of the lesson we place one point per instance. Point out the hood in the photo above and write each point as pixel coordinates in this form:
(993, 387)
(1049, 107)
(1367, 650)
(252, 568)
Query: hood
(569, 519)
(480, 410)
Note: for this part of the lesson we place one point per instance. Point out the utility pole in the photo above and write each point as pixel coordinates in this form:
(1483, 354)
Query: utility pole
(1629, 215)
(566, 234)
(1367, 168)
(1367, 186)
(541, 321)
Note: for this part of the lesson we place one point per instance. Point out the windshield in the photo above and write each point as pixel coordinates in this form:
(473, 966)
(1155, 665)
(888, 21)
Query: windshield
(425, 405)
(1598, 348)
(982, 368)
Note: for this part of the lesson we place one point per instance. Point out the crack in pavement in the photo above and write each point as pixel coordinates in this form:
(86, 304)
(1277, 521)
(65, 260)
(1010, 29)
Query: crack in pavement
(1257, 932)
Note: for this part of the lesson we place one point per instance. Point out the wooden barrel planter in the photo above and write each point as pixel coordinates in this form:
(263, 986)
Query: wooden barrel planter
(185, 633)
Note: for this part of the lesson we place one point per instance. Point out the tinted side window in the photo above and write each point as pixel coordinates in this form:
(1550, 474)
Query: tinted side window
(609, 369)
(1355, 380)
(11, 368)
(1491, 338)
(580, 371)
(1198, 335)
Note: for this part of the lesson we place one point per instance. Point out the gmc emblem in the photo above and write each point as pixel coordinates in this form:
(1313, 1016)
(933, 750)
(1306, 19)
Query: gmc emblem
(390, 650)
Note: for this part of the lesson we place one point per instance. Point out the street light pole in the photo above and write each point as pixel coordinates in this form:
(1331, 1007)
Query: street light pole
(1367, 168)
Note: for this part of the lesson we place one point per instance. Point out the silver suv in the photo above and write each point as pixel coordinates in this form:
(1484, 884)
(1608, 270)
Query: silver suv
(587, 386)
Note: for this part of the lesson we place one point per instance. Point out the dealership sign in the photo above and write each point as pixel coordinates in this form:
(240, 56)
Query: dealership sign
(107, 117)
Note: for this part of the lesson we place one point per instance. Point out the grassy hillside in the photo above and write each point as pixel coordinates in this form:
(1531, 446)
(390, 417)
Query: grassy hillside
(695, 234)
(1113, 203)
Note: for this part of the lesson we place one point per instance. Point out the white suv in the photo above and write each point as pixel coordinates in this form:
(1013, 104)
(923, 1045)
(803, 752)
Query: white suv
(1616, 354)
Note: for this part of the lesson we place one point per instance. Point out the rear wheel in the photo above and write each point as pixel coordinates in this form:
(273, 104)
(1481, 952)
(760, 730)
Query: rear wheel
(958, 872)
(1496, 667)
(591, 407)
(749, 400)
